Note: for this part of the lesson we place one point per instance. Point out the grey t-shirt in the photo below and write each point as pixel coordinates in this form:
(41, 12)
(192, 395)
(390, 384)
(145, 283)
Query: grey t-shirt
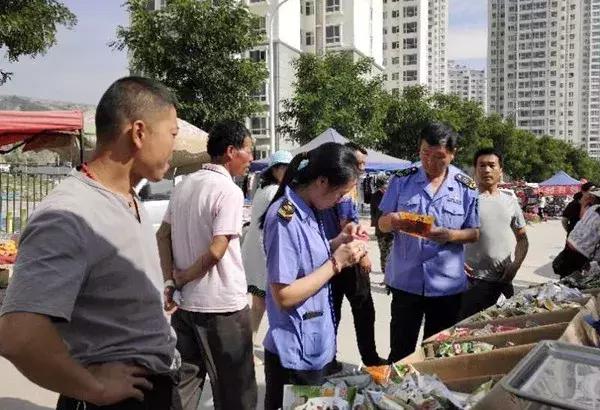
(499, 215)
(89, 264)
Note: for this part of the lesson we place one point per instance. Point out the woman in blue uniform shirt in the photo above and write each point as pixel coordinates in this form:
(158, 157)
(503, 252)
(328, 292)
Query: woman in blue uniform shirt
(300, 341)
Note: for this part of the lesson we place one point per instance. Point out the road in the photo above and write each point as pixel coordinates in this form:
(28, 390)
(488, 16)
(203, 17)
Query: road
(546, 240)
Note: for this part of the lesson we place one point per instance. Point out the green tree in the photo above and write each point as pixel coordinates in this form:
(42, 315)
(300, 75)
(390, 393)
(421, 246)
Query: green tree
(195, 48)
(28, 28)
(335, 91)
(405, 118)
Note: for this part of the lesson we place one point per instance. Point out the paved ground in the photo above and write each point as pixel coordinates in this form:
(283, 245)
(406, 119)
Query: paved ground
(546, 240)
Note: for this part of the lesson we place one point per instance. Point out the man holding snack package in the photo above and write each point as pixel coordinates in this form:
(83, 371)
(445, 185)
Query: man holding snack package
(432, 211)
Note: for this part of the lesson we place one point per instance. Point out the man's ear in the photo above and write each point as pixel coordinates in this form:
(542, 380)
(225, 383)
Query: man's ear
(139, 133)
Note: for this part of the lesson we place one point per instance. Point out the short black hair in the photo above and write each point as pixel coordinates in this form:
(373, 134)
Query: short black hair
(587, 186)
(355, 147)
(438, 133)
(488, 151)
(126, 100)
(223, 134)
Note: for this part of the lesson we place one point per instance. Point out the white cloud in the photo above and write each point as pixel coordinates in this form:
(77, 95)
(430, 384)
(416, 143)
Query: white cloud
(467, 43)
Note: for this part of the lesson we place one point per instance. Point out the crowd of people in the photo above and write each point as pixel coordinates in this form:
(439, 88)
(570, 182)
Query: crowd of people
(112, 316)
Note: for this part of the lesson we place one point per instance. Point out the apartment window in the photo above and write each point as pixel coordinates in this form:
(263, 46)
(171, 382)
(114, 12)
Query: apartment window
(410, 43)
(395, 60)
(333, 34)
(395, 45)
(309, 38)
(261, 25)
(410, 11)
(395, 76)
(261, 93)
(410, 59)
(410, 27)
(258, 125)
(258, 55)
(309, 8)
(395, 13)
(332, 6)
(395, 29)
(256, 1)
(410, 75)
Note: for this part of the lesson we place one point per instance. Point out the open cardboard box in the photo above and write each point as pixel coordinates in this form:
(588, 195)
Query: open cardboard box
(502, 340)
(487, 364)
(470, 384)
(578, 331)
(540, 319)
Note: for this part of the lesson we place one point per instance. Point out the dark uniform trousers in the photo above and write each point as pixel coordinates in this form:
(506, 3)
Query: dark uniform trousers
(356, 286)
(219, 344)
(163, 396)
(407, 315)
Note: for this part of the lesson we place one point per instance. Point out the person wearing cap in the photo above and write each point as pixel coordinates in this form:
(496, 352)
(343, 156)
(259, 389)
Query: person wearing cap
(253, 253)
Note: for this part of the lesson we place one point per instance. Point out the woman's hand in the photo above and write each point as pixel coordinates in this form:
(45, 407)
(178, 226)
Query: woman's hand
(349, 254)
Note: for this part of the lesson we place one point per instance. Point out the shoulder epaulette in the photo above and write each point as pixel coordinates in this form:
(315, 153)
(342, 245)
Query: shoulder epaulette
(466, 181)
(286, 210)
(406, 172)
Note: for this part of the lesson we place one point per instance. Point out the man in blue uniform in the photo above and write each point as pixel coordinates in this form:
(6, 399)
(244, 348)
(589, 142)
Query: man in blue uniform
(426, 275)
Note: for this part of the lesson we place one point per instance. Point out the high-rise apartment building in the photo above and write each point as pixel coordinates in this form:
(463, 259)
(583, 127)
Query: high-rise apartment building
(415, 34)
(467, 83)
(544, 67)
(311, 26)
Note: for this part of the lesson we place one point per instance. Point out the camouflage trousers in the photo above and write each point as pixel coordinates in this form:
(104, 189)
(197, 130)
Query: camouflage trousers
(384, 240)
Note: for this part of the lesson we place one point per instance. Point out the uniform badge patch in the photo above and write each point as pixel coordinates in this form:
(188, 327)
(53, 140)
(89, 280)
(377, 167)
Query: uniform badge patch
(406, 171)
(286, 210)
(466, 181)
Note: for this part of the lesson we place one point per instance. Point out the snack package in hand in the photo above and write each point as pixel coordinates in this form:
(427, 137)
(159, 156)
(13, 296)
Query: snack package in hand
(418, 225)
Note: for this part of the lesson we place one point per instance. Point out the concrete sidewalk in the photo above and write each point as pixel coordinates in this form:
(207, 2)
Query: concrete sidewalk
(546, 240)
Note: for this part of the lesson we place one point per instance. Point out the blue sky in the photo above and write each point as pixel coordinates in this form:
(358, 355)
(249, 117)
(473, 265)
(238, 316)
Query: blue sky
(81, 66)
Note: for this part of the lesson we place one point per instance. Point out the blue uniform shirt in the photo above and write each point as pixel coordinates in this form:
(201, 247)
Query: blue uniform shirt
(303, 337)
(420, 266)
(344, 210)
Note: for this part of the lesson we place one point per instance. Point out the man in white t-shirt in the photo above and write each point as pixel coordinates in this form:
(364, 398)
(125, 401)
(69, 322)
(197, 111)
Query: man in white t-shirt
(489, 262)
(199, 243)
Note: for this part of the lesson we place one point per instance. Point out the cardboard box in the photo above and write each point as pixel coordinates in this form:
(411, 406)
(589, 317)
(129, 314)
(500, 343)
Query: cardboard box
(500, 399)
(470, 384)
(546, 318)
(488, 364)
(516, 338)
(579, 332)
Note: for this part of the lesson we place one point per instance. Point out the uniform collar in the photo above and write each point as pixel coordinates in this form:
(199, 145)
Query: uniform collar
(449, 185)
(217, 168)
(302, 209)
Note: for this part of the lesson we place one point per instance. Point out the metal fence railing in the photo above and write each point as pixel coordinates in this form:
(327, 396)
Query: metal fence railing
(22, 187)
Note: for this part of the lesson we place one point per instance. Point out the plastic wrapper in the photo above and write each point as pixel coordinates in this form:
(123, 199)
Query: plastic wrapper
(450, 349)
(416, 224)
(549, 297)
(461, 332)
(586, 279)
(317, 397)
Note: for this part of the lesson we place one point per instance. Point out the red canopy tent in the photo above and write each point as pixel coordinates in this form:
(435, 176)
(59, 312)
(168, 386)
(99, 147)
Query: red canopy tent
(40, 129)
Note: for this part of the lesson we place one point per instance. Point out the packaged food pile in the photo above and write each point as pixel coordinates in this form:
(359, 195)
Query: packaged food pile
(450, 349)
(462, 332)
(397, 387)
(586, 279)
(8, 252)
(549, 297)
(416, 224)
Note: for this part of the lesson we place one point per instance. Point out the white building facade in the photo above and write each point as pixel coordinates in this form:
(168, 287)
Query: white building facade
(544, 67)
(311, 26)
(415, 34)
(467, 83)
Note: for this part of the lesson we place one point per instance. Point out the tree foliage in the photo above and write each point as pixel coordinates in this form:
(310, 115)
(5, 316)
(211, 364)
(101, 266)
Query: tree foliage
(196, 48)
(28, 28)
(335, 91)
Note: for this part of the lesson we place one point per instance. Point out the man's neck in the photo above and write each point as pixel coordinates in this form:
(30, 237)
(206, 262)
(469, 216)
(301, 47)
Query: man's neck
(224, 164)
(489, 189)
(113, 174)
(436, 180)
